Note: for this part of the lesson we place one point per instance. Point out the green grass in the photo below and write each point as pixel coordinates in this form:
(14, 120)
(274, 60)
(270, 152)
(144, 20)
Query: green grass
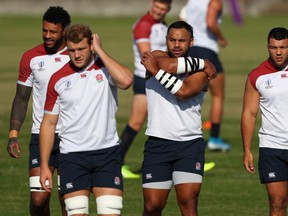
(226, 190)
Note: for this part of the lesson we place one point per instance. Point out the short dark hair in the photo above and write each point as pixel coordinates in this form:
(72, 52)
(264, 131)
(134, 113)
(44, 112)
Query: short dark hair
(181, 24)
(164, 1)
(76, 33)
(278, 33)
(57, 15)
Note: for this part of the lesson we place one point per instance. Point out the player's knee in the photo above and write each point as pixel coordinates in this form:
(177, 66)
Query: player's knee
(35, 186)
(77, 205)
(109, 204)
(39, 198)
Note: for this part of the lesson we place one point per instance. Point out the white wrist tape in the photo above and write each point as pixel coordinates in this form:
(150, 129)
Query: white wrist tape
(169, 81)
(188, 64)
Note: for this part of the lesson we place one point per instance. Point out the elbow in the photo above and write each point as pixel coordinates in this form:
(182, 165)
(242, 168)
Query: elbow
(183, 94)
(127, 82)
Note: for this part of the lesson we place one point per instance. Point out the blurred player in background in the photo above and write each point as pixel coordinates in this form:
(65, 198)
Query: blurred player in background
(266, 89)
(205, 18)
(175, 150)
(36, 67)
(148, 34)
(83, 95)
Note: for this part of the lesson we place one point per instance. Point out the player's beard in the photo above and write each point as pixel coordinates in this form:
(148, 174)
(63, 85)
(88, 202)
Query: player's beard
(54, 48)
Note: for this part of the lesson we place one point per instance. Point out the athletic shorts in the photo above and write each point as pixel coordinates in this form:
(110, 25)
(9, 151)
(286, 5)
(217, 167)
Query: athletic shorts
(273, 165)
(163, 157)
(204, 53)
(139, 85)
(84, 170)
(34, 155)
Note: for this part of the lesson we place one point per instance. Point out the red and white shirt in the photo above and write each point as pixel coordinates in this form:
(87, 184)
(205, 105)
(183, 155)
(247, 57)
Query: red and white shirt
(36, 68)
(272, 85)
(86, 102)
(146, 29)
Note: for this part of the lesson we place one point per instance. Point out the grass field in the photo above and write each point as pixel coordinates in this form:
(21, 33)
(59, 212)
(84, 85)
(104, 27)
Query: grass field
(227, 189)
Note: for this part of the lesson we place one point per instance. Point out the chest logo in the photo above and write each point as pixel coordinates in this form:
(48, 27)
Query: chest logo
(57, 59)
(99, 78)
(41, 66)
(268, 84)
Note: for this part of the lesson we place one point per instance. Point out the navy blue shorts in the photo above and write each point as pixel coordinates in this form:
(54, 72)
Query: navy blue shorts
(84, 170)
(162, 157)
(34, 155)
(139, 85)
(204, 53)
(273, 165)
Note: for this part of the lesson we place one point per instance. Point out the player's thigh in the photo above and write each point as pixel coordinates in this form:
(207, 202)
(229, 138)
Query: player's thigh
(155, 198)
(216, 86)
(188, 191)
(277, 190)
(138, 110)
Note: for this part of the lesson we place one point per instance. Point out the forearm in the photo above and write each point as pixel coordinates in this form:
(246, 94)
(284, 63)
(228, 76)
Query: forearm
(247, 130)
(47, 136)
(191, 86)
(180, 65)
(121, 75)
(19, 107)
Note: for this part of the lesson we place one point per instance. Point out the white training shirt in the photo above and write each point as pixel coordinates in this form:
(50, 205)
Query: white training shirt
(196, 12)
(272, 86)
(36, 68)
(147, 30)
(172, 118)
(86, 102)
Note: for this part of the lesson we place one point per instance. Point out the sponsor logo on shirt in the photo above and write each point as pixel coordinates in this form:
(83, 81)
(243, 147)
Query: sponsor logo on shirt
(57, 59)
(83, 75)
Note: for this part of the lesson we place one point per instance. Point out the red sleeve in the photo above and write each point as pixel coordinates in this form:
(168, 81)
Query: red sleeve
(51, 96)
(264, 68)
(142, 30)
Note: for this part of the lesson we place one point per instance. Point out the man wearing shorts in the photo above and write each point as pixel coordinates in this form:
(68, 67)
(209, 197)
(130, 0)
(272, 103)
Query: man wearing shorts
(36, 67)
(83, 95)
(174, 151)
(266, 89)
(148, 34)
(205, 17)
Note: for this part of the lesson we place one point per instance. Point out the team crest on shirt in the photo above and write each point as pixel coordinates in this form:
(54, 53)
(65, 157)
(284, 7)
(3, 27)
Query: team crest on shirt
(284, 75)
(268, 84)
(41, 66)
(99, 78)
(198, 166)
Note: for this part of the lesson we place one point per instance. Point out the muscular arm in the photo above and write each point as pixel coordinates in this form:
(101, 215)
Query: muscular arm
(191, 86)
(170, 64)
(248, 120)
(214, 10)
(17, 117)
(121, 75)
(47, 135)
